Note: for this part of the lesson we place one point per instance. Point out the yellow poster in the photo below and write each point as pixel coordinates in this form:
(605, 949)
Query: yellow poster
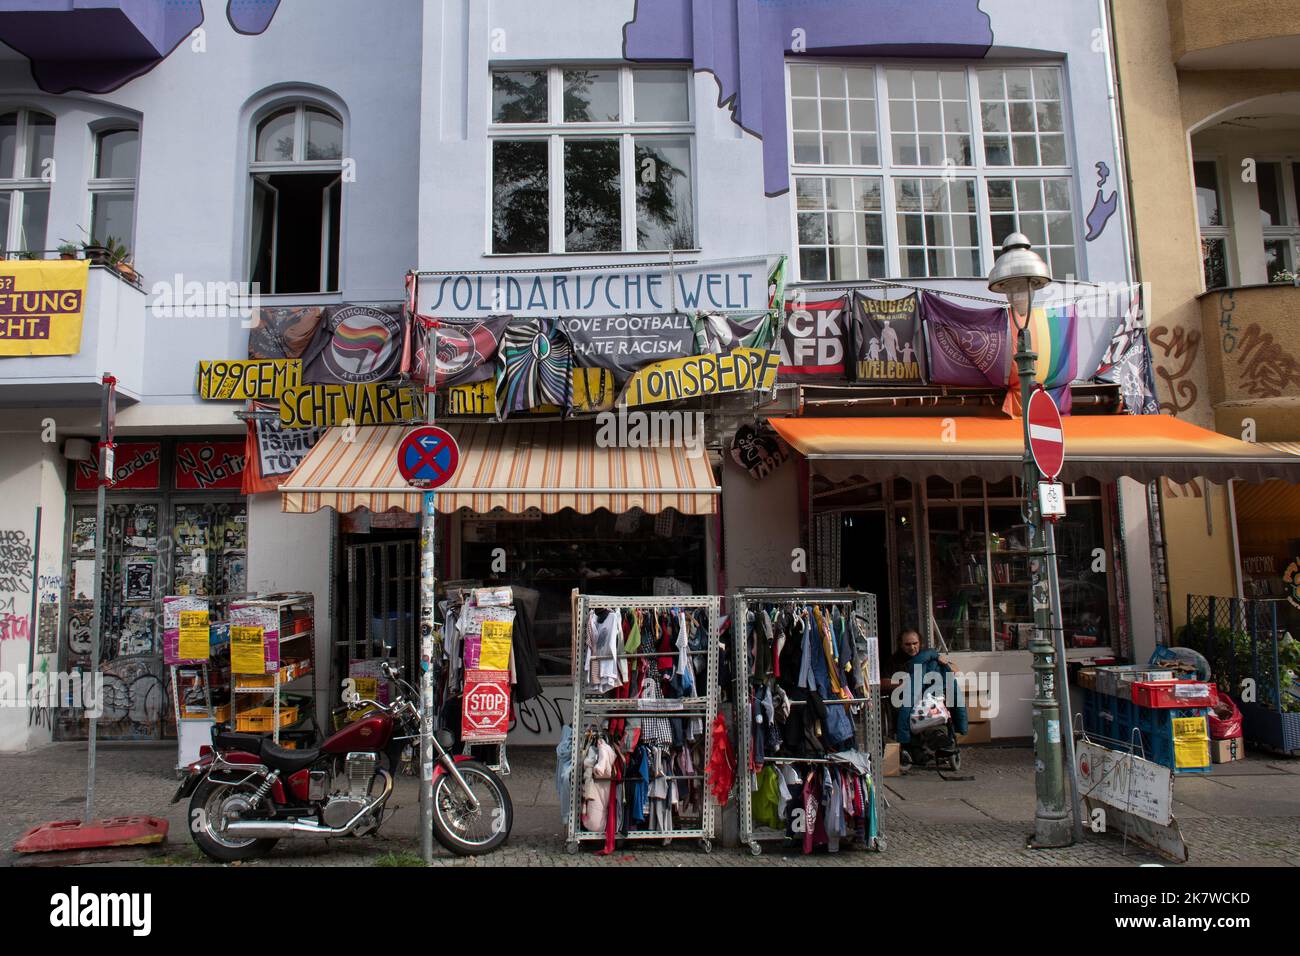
(41, 306)
(739, 370)
(494, 649)
(379, 403)
(1191, 742)
(193, 642)
(593, 391)
(265, 379)
(247, 654)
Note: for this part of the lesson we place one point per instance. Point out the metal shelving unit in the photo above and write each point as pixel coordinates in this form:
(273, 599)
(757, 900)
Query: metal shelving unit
(867, 729)
(588, 710)
(271, 614)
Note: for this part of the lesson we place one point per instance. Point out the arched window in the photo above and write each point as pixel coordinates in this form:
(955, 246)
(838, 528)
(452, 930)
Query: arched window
(296, 170)
(112, 185)
(26, 171)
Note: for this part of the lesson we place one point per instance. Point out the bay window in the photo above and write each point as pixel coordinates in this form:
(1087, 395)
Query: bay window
(922, 172)
(591, 159)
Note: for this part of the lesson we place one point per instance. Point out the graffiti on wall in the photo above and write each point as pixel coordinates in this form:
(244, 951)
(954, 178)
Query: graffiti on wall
(15, 562)
(1267, 369)
(1176, 346)
(542, 719)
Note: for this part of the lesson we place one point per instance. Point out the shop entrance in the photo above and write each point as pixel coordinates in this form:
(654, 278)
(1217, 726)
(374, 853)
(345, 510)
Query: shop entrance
(866, 564)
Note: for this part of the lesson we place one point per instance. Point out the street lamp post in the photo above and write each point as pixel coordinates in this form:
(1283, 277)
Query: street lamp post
(1018, 273)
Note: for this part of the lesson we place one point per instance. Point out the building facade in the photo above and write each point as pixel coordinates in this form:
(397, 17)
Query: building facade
(471, 158)
(1212, 130)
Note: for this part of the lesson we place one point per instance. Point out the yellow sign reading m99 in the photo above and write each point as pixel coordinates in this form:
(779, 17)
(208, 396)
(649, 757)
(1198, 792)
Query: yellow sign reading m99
(226, 380)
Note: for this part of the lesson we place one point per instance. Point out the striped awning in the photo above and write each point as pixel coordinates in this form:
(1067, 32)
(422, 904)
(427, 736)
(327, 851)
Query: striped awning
(546, 466)
(1105, 447)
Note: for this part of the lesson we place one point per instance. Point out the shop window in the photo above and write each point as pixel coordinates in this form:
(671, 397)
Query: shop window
(112, 187)
(26, 172)
(874, 150)
(592, 159)
(297, 185)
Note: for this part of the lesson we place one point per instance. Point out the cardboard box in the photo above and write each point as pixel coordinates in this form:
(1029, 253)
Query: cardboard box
(1087, 678)
(1226, 751)
(892, 768)
(977, 732)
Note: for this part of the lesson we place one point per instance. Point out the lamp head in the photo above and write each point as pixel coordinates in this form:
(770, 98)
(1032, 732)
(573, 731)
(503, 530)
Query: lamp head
(1018, 273)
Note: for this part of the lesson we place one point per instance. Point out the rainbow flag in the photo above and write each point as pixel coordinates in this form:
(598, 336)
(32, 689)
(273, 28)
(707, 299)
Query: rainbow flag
(368, 338)
(1052, 336)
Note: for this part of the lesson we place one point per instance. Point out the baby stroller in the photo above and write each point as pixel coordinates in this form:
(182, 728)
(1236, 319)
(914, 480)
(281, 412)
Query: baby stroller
(934, 737)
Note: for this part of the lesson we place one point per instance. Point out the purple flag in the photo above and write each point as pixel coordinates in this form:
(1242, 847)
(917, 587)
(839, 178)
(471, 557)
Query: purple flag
(970, 347)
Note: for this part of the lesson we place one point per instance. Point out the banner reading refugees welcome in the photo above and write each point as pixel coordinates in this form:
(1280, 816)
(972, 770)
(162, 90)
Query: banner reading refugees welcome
(41, 306)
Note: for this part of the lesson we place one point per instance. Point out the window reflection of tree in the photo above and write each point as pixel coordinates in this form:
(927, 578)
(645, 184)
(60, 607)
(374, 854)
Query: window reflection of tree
(518, 101)
(520, 196)
(658, 200)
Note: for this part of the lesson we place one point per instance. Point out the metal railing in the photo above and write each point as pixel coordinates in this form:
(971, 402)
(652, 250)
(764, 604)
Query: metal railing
(1241, 638)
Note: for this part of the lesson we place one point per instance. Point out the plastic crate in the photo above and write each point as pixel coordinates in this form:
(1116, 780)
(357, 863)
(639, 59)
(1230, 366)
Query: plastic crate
(1171, 693)
(260, 719)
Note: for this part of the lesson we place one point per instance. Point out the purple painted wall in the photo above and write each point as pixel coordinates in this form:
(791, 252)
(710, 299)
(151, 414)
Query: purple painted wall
(98, 45)
(743, 43)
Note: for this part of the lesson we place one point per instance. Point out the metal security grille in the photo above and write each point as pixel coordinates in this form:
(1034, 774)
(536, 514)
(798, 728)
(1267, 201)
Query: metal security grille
(380, 609)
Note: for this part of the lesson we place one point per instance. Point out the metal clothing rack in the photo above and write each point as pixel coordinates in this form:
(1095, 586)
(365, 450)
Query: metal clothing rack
(867, 729)
(589, 709)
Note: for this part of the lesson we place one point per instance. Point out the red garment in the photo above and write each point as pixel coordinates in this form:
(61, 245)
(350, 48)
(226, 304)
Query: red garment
(615, 810)
(721, 770)
(666, 642)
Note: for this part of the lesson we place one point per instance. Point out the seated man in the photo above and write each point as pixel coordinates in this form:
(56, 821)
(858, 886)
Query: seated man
(911, 667)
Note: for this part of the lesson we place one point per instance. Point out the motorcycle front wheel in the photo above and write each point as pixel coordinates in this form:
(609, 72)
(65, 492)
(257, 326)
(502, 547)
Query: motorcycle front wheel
(465, 830)
(206, 808)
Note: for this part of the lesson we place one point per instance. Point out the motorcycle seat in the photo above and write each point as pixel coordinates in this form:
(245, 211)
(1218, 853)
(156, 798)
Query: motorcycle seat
(286, 760)
(227, 741)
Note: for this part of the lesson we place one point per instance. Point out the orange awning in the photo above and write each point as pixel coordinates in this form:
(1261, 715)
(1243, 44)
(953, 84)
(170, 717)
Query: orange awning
(1105, 447)
(547, 466)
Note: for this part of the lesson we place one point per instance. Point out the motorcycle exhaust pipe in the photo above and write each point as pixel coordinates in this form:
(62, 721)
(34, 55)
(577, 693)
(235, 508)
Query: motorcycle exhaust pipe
(280, 829)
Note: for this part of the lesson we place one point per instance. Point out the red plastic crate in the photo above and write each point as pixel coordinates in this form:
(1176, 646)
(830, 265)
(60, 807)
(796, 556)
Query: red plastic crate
(1171, 693)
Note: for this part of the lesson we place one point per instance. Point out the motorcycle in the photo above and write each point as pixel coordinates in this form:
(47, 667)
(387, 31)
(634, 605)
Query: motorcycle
(247, 793)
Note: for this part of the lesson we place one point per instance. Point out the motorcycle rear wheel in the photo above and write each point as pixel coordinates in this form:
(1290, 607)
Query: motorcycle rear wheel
(205, 810)
(468, 832)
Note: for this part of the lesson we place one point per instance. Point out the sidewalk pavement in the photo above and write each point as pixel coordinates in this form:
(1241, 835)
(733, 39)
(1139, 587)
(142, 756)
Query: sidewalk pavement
(1242, 814)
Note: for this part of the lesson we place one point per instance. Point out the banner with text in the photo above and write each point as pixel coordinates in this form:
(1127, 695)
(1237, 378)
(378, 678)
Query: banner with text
(42, 305)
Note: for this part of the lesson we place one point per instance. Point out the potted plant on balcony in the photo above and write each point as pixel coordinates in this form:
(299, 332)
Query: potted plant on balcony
(120, 259)
(97, 252)
(67, 250)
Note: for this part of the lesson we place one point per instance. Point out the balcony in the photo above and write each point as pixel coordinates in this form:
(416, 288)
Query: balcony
(1213, 35)
(112, 340)
(1251, 336)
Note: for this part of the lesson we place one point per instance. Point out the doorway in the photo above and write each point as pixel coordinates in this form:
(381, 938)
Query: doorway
(866, 564)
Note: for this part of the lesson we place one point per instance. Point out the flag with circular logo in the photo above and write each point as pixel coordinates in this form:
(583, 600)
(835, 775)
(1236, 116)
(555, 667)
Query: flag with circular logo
(356, 345)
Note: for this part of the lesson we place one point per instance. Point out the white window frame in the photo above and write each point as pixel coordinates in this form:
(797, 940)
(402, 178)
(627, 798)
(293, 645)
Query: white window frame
(554, 132)
(887, 170)
(1223, 231)
(1290, 230)
(19, 185)
(298, 164)
(96, 187)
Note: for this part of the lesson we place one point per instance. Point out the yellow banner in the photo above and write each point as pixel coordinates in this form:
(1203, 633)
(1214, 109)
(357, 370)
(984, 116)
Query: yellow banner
(41, 306)
(1191, 742)
(494, 646)
(247, 654)
(264, 379)
(193, 642)
(739, 370)
(593, 391)
(380, 403)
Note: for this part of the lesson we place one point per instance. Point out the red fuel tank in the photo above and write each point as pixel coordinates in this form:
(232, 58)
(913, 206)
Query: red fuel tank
(372, 732)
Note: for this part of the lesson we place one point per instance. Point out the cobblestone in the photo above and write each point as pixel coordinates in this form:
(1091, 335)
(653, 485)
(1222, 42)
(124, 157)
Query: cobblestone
(1243, 814)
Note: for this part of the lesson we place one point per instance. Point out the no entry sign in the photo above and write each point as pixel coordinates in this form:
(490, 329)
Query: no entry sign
(427, 457)
(1046, 436)
(485, 709)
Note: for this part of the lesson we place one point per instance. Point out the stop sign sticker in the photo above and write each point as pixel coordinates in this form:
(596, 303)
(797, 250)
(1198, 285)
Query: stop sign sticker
(485, 708)
(1046, 436)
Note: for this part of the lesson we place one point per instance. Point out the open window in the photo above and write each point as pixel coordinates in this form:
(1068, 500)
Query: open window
(297, 189)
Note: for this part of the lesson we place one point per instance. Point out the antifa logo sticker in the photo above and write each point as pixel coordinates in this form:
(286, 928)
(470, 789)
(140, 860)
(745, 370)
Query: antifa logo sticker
(364, 346)
(758, 450)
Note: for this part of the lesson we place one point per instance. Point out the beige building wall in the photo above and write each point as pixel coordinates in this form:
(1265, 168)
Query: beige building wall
(1162, 105)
